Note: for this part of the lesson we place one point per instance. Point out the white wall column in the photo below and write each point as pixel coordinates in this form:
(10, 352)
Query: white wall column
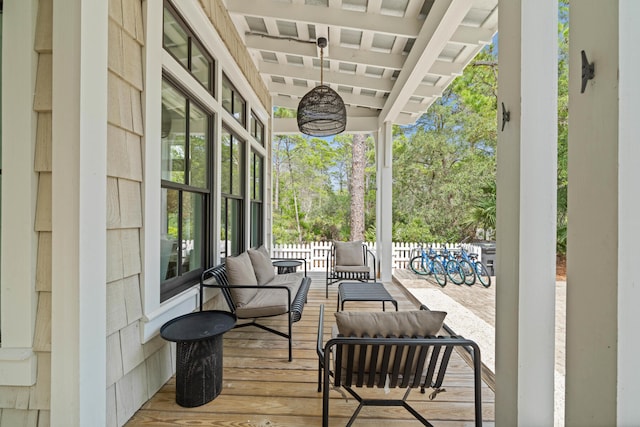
(629, 221)
(526, 217)
(602, 379)
(78, 327)
(384, 198)
(19, 189)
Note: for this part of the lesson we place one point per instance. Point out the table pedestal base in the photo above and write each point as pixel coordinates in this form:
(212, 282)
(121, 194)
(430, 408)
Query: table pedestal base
(198, 371)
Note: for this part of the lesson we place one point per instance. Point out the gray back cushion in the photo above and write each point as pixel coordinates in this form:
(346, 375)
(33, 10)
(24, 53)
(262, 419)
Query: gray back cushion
(386, 323)
(262, 266)
(349, 253)
(240, 272)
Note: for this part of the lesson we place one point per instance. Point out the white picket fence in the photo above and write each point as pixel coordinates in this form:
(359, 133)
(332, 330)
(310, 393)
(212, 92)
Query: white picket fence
(315, 253)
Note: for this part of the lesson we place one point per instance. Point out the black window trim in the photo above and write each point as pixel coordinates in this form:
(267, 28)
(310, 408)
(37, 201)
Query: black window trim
(178, 284)
(193, 38)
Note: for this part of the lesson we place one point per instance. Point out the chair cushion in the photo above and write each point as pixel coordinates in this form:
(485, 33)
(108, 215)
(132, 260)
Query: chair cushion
(268, 302)
(240, 272)
(352, 269)
(398, 323)
(349, 253)
(262, 266)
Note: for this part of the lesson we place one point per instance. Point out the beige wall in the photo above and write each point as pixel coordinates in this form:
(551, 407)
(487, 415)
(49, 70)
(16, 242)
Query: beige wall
(134, 371)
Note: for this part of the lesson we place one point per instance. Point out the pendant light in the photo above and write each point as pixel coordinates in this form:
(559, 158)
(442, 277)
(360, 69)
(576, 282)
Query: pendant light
(321, 111)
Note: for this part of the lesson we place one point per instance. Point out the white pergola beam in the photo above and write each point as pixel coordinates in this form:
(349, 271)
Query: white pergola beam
(327, 16)
(337, 78)
(354, 125)
(338, 53)
(443, 20)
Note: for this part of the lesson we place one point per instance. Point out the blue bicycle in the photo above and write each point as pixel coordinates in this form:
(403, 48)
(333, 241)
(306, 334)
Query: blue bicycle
(478, 270)
(427, 263)
(453, 268)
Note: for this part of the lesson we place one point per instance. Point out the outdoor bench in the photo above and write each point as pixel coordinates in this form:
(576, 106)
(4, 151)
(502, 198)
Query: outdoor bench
(283, 294)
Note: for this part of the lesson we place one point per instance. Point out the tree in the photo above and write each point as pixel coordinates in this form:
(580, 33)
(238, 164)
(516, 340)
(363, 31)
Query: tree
(356, 187)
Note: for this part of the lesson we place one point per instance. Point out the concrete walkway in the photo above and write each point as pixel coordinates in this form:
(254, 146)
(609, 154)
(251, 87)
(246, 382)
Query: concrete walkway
(471, 313)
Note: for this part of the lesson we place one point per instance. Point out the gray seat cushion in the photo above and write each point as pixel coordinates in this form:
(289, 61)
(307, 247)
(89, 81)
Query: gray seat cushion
(268, 302)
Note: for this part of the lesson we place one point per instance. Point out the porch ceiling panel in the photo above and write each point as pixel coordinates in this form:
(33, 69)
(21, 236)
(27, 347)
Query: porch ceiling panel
(392, 58)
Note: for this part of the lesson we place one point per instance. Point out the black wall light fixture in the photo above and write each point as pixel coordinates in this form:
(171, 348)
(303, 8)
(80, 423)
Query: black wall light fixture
(588, 71)
(321, 112)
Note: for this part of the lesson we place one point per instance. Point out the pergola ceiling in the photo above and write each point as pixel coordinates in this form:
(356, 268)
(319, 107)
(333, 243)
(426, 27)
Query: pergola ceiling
(388, 59)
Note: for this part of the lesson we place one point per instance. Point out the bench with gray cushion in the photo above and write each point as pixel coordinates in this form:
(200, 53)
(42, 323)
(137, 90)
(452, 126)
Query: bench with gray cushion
(390, 350)
(252, 290)
(349, 261)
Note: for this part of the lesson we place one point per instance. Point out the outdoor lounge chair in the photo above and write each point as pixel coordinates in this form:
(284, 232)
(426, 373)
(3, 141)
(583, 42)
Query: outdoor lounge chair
(388, 361)
(349, 261)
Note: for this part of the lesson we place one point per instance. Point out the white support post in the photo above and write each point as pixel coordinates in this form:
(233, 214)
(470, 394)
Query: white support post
(526, 217)
(628, 411)
(602, 378)
(79, 130)
(384, 196)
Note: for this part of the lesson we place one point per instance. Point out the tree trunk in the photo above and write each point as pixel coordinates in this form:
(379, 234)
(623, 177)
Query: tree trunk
(295, 193)
(357, 186)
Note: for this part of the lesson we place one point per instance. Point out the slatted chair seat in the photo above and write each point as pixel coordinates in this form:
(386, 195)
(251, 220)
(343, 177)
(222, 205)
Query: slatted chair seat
(403, 362)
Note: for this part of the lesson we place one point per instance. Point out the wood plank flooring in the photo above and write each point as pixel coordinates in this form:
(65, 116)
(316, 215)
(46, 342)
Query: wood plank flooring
(262, 389)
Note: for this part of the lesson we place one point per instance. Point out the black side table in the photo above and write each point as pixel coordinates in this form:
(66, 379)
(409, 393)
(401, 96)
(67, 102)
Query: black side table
(198, 337)
(287, 266)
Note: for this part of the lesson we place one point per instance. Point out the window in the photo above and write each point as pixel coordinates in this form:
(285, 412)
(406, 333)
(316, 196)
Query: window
(185, 148)
(256, 188)
(232, 101)
(179, 40)
(257, 129)
(231, 209)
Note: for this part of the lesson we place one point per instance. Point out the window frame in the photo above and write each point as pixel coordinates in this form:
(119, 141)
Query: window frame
(226, 83)
(254, 201)
(192, 39)
(158, 61)
(225, 197)
(256, 124)
(181, 282)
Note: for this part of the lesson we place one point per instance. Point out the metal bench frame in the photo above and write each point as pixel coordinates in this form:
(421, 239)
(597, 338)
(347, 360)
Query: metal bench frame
(425, 366)
(294, 307)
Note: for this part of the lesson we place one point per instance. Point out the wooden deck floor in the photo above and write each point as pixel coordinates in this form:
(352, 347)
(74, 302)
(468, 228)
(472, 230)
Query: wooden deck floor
(263, 389)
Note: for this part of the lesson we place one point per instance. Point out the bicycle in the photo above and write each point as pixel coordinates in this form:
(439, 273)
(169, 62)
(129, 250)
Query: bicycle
(426, 263)
(479, 270)
(467, 267)
(452, 266)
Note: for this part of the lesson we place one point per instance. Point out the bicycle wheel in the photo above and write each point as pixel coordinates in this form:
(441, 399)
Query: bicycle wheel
(469, 274)
(437, 269)
(418, 266)
(454, 271)
(483, 274)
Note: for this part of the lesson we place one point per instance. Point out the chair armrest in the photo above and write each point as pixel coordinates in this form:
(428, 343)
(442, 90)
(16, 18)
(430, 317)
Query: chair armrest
(375, 272)
(320, 346)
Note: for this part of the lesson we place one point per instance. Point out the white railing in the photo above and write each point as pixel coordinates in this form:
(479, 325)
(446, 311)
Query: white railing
(316, 252)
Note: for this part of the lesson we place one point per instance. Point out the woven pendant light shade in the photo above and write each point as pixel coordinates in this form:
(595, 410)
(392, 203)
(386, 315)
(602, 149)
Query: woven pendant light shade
(321, 112)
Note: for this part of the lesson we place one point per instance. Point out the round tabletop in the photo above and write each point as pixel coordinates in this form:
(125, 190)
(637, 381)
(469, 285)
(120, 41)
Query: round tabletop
(199, 325)
(287, 263)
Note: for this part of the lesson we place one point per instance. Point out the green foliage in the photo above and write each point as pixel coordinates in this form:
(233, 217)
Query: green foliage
(563, 125)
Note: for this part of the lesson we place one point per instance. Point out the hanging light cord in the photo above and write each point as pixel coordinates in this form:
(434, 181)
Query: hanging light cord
(321, 66)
